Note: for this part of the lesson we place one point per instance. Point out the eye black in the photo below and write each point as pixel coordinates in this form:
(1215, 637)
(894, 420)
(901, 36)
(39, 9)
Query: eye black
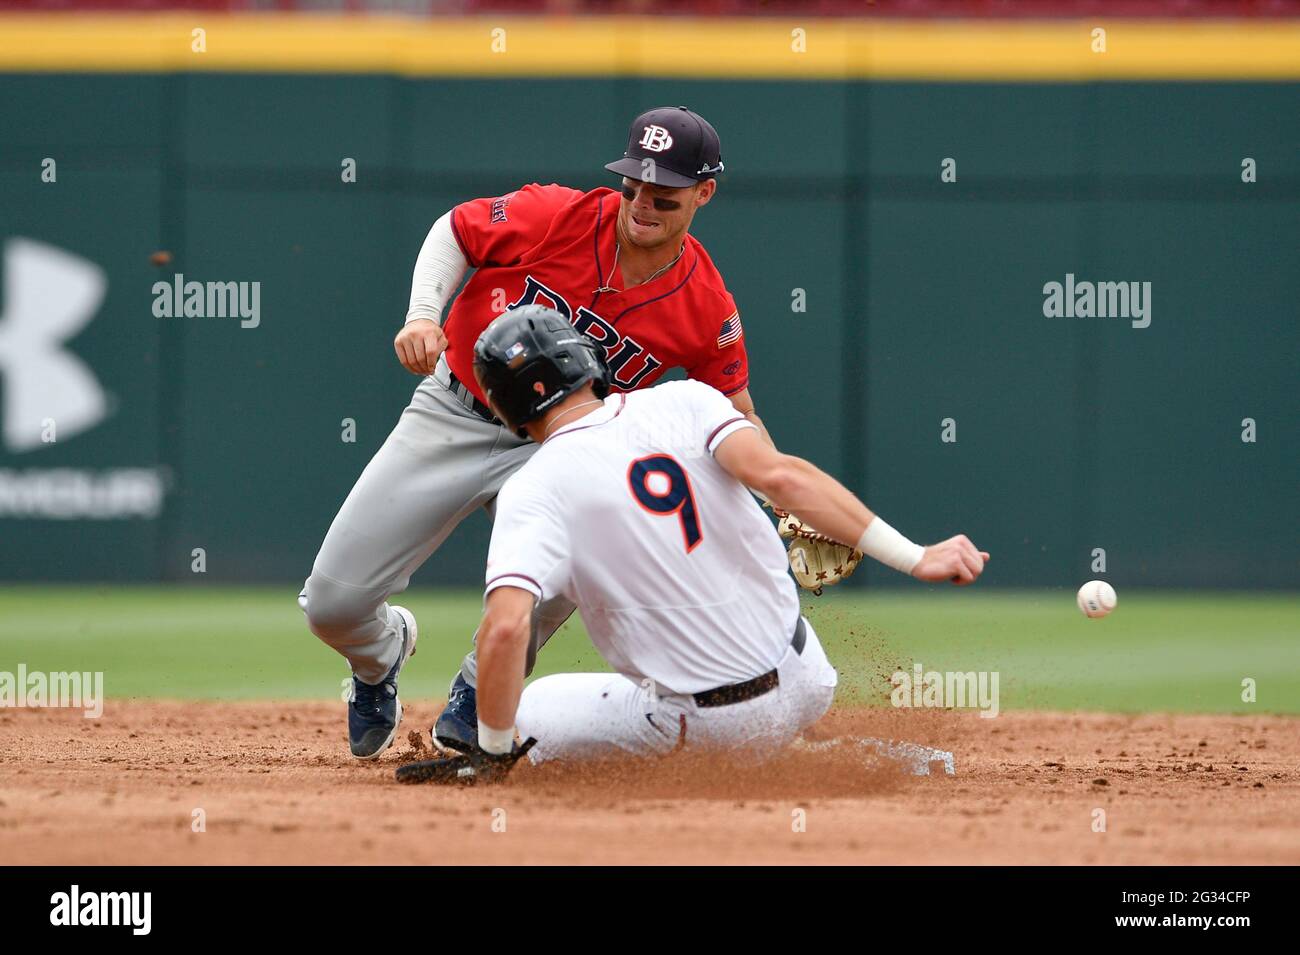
(662, 205)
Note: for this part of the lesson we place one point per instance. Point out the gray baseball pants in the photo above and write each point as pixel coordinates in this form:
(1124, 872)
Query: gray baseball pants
(439, 463)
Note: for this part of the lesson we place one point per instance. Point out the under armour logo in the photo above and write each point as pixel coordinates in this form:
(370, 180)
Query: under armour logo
(656, 139)
(49, 296)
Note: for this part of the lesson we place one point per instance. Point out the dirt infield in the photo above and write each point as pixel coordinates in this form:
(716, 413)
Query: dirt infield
(274, 784)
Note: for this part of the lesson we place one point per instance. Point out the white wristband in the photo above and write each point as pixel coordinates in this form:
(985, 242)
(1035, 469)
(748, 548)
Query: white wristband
(889, 547)
(495, 741)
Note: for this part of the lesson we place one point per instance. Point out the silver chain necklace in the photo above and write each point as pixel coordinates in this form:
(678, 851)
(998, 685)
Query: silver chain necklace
(607, 288)
(547, 433)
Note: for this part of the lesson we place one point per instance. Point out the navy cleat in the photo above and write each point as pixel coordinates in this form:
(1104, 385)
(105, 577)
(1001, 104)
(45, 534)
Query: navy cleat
(374, 712)
(457, 727)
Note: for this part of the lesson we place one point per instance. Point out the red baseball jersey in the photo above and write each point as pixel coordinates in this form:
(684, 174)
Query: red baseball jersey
(554, 246)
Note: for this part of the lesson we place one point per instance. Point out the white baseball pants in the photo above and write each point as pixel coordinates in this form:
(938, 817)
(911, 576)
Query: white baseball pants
(578, 716)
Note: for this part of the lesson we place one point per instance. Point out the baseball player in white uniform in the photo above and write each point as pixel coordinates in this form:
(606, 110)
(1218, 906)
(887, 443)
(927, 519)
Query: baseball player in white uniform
(638, 508)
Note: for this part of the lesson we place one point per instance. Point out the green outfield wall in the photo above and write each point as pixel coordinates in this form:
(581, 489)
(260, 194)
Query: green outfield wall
(885, 309)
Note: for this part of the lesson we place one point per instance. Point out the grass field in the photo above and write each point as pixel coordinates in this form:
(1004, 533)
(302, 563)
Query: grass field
(1159, 651)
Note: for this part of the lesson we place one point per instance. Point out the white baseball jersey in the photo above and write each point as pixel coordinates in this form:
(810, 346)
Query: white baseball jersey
(678, 574)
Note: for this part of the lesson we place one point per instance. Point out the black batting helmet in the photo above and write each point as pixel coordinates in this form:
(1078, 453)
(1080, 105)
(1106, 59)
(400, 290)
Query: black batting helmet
(529, 359)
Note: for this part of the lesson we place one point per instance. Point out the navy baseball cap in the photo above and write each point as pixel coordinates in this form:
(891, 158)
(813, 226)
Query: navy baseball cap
(670, 146)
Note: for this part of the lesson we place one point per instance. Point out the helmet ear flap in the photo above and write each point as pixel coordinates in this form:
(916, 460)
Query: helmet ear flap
(600, 381)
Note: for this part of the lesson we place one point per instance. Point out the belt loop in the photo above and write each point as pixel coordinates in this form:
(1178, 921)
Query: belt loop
(681, 735)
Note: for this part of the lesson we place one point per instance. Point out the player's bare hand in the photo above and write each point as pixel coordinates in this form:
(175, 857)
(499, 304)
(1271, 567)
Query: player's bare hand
(955, 559)
(419, 344)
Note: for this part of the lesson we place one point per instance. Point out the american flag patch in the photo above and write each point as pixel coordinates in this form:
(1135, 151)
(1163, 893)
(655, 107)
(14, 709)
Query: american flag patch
(731, 331)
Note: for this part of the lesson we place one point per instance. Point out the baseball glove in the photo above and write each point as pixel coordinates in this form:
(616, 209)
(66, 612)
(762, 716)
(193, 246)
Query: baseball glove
(816, 560)
(465, 769)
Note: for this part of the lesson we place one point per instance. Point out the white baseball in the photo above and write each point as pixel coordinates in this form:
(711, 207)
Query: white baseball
(1096, 598)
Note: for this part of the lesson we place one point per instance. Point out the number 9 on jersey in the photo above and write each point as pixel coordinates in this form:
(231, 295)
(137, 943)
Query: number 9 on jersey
(661, 486)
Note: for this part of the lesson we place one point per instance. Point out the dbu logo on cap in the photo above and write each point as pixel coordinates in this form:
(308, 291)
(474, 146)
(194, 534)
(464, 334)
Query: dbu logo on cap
(656, 139)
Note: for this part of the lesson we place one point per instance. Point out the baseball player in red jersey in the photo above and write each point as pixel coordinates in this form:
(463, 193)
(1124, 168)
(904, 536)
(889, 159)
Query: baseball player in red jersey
(621, 266)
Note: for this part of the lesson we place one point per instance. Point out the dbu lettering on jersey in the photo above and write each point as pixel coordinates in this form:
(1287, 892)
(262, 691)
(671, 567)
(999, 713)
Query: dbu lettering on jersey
(629, 361)
(558, 247)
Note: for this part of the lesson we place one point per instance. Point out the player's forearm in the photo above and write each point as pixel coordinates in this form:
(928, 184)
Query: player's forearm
(439, 268)
(502, 650)
(801, 488)
(797, 486)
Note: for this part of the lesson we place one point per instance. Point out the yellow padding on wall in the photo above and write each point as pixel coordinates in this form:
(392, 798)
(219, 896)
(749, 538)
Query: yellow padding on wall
(787, 48)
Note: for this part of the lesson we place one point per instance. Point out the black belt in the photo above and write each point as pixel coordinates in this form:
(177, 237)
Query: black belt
(468, 399)
(740, 692)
